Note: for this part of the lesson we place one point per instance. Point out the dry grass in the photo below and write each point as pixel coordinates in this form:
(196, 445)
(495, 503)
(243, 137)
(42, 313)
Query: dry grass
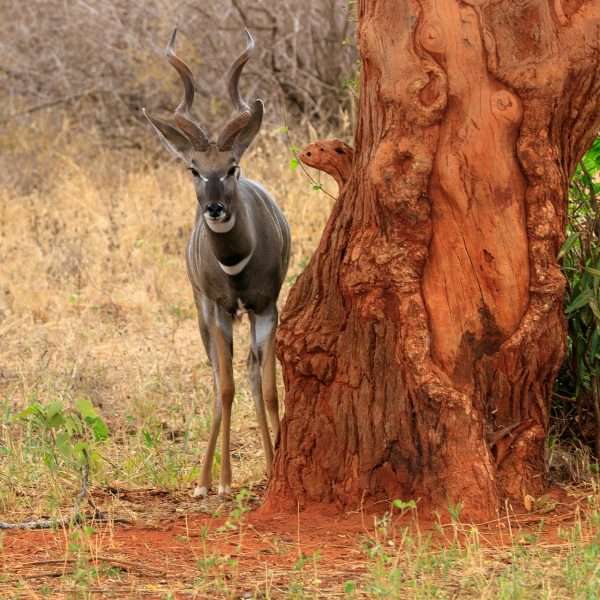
(95, 303)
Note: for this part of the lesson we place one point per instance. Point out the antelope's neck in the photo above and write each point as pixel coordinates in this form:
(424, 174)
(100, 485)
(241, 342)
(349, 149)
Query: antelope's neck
(232, 247)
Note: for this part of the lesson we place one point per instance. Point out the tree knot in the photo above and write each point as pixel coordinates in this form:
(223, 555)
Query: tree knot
(333, 156)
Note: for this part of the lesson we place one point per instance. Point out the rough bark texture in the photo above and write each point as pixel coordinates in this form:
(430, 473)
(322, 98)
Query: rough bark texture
(333, 156)
(420, 345)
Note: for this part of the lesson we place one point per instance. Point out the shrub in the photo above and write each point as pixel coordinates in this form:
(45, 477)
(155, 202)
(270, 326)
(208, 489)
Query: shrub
(578, 386)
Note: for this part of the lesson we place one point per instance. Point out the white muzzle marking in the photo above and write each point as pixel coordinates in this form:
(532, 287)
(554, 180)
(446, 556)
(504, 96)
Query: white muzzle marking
(239, 267)
(220, 226)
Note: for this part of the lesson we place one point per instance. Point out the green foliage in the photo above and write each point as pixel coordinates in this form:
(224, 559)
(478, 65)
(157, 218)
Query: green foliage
(294, 161)
(403, 506)
(241, 506)
(580, 254)
(455, 510)
(350, 588)
(352, 83)
(67, 437)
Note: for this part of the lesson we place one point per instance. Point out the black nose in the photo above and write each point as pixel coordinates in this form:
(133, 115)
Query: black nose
(215, 210)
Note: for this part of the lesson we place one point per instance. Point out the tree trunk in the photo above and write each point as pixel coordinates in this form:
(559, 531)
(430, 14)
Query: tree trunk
(420, 345)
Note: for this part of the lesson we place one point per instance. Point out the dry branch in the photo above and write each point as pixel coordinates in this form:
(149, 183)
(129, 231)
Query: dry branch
(117, 47)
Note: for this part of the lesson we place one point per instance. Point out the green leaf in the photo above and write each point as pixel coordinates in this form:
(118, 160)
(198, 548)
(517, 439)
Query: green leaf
(591, 160)
(569, 242)
(73, 424)
(85, 408)
(593, 304)
(52, 415)
(64, 444)
(92, 419)
(293, 163)
(79, 448)
(349, 587)
(33, 410)
(404, 505)
(99, 429)
(49, 459)
(148, 439)
(594, 272)
(53, 408)
(581, 300)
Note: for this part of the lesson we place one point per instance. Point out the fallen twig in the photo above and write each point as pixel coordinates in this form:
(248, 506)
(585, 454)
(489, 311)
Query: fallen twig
(97, 517)
(42, 523)
(118, 562)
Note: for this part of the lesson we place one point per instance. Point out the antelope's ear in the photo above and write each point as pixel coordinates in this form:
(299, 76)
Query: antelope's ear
(244, 138)
(174, 140)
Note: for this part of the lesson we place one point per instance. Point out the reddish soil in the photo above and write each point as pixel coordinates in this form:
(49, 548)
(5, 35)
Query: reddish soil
(183, 548)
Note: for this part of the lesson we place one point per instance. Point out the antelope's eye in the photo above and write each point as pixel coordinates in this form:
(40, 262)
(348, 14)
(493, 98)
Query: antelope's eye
(232, 171)
(195, 173)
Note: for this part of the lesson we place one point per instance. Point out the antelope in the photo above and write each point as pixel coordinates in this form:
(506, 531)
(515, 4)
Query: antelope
(237, 257)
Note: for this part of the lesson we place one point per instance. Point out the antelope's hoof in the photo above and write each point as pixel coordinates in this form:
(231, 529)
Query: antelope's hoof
(224, 490)
(200, 491)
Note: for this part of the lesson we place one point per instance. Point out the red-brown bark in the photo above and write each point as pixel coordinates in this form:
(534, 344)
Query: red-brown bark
(334, 157)
(420, 345)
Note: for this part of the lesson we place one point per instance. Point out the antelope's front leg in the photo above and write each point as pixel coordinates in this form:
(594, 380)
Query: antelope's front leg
(217, 334)
(261, 371)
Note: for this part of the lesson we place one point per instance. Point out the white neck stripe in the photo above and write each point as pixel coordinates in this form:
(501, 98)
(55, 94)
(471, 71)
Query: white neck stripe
(222, 227)
(236, 269)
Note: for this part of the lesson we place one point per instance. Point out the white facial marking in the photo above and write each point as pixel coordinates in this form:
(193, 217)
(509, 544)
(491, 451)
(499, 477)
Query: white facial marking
(228, 174)
(236, 269)
(205, 179)
(220, 226)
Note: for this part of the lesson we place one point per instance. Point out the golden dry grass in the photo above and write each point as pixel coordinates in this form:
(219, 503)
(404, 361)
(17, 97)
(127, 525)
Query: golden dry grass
(95, 303)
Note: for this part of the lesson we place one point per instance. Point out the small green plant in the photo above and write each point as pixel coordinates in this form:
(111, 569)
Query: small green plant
(215, 574)
(68, 436)
(350, 588)
(295, 162)
(404, 506)
(241, 505)
(306, 559)
(84, 572)
(66, 439)
(302, 577)
(455, 510)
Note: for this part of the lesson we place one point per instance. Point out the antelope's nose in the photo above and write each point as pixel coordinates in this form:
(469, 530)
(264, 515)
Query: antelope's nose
(215, 210)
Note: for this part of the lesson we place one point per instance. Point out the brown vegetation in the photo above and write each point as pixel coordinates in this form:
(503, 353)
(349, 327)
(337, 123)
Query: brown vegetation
(103, 61)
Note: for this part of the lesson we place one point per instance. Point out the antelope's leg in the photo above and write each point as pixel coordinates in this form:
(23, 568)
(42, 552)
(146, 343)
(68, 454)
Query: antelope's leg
(262, 332)
(224, 351)
(217, 335)
(269, 383)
